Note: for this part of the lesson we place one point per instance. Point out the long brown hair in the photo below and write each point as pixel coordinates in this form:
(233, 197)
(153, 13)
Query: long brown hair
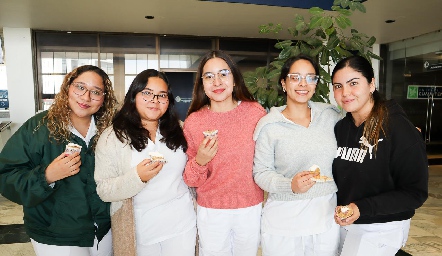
(58, 117)
(199, 97)
(377, 119)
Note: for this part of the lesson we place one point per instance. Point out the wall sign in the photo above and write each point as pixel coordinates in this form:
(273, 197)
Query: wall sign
(416, 92)
(4, 100)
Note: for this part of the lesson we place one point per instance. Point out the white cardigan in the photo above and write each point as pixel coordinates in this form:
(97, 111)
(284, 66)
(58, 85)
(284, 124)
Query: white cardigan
(113, 160)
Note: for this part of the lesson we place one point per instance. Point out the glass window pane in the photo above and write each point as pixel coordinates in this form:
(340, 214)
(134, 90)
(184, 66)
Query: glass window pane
(182, 52)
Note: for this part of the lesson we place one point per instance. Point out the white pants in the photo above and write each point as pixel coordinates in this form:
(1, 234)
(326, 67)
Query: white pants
(323, 244)
(183, 245)
(380, 239)
(226, 232)
(104, 248)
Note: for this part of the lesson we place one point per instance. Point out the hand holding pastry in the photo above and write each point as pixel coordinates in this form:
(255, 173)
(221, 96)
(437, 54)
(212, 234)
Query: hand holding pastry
(147, 169)
(302, 182)
(63, 166)
(207, 150)
(346, 215)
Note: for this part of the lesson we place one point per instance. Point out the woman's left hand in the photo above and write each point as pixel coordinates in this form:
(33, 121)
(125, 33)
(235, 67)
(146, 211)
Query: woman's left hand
(351, 219)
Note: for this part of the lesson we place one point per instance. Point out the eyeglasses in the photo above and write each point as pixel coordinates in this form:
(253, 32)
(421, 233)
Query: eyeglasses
(162, 98)
(296, 79)
(80, 89)
(209, 77)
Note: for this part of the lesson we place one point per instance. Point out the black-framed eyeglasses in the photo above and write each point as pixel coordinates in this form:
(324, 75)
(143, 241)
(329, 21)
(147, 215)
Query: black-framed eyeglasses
(80, 89)
(162, 98)
(297, 78)
(209, 77)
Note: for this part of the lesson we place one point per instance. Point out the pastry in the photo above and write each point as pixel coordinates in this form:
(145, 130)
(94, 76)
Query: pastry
(316, 171)
(72, 148)
(157, 157)
(210, 133)
(344, 212)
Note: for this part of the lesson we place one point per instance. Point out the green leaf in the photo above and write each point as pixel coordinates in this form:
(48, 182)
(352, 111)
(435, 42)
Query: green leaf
(337, 2)
(277, 64)
(315, 52)
(335, 8)
(274, 73)
(344, 3)
(345, 12)
(300, 26)
(293, 32)
(285, 53)
(354, 31)
(295, 51)
(343, 52)
(314, 41)
(320, 33)
(283, 44)
(374, 56)
(330, 31)
(316, 11)
(323, 59)
(326, 22)
(315, 22)
(333, 41)
(305, 48)
(360, 7)
(371, 41)
(340, 21)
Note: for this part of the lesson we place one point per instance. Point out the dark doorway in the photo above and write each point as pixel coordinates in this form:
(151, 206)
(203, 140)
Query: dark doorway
(182, 86)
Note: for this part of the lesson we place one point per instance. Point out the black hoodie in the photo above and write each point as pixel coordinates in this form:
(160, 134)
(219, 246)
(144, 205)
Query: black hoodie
(386, 186)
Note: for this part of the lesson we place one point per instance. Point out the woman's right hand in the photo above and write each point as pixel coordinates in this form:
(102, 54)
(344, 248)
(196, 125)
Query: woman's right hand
(207, 150)
(147, 169)
(302, 182)
(62, 167)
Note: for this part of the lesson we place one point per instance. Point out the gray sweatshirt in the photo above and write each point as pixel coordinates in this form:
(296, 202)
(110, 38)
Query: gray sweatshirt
(284, 148)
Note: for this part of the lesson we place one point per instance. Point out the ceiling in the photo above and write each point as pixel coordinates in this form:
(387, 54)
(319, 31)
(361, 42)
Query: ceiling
(203, 18)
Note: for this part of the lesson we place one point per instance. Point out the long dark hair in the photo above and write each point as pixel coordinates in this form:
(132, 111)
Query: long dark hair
(377, 120)
(127, 122)
(199, 97)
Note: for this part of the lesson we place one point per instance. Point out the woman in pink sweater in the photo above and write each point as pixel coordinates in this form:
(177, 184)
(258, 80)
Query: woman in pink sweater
(220, 166)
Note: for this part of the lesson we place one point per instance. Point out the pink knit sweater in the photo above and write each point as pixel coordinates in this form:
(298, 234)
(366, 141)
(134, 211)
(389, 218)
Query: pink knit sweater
(226, 182)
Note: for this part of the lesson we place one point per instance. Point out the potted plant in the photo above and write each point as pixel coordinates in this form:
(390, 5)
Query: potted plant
(327, 35)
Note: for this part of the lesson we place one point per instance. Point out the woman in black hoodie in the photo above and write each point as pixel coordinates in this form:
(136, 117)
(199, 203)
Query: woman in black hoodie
(380, 168)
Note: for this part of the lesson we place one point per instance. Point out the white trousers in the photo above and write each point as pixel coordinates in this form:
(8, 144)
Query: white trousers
(323, 244)
(227, 232)
(380, 239)
(104, 248)
(183, 245)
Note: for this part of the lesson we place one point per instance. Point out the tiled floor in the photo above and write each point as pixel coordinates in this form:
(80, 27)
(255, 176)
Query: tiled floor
(425, 238)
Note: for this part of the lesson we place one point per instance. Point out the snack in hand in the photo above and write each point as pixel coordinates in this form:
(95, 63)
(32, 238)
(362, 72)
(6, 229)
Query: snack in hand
(210, 133)
(157, 157)
(72, 148)
(344, 212)
(316, 171)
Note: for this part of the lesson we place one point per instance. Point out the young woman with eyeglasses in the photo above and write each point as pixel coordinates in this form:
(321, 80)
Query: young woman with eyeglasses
(381, 166)
(63, 214)
(152, 209)
(297, 218)
(220, 166)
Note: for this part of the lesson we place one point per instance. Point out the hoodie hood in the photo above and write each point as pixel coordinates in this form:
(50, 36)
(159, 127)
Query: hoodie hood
(275, 116)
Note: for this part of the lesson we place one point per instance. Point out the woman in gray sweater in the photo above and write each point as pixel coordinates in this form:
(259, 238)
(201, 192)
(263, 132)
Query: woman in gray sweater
(297, 218)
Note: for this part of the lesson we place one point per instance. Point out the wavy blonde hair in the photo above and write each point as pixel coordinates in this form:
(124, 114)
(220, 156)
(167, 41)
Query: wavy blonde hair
(58, 117)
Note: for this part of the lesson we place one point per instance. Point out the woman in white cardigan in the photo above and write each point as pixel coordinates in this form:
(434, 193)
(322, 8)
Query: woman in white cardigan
(152, 211)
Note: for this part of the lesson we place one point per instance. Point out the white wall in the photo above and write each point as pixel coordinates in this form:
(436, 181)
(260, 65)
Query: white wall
(18, 60)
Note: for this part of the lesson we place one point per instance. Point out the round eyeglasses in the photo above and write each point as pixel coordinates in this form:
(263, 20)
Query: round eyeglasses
(80, 89)
(209, 77)
(297, 78)
(162, 98)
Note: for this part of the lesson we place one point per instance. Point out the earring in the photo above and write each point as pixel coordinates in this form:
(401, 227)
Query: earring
(283, 89)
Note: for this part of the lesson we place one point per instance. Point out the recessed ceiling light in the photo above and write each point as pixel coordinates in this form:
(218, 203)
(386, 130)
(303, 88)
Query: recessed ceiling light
(149, 17)
(390, 21)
